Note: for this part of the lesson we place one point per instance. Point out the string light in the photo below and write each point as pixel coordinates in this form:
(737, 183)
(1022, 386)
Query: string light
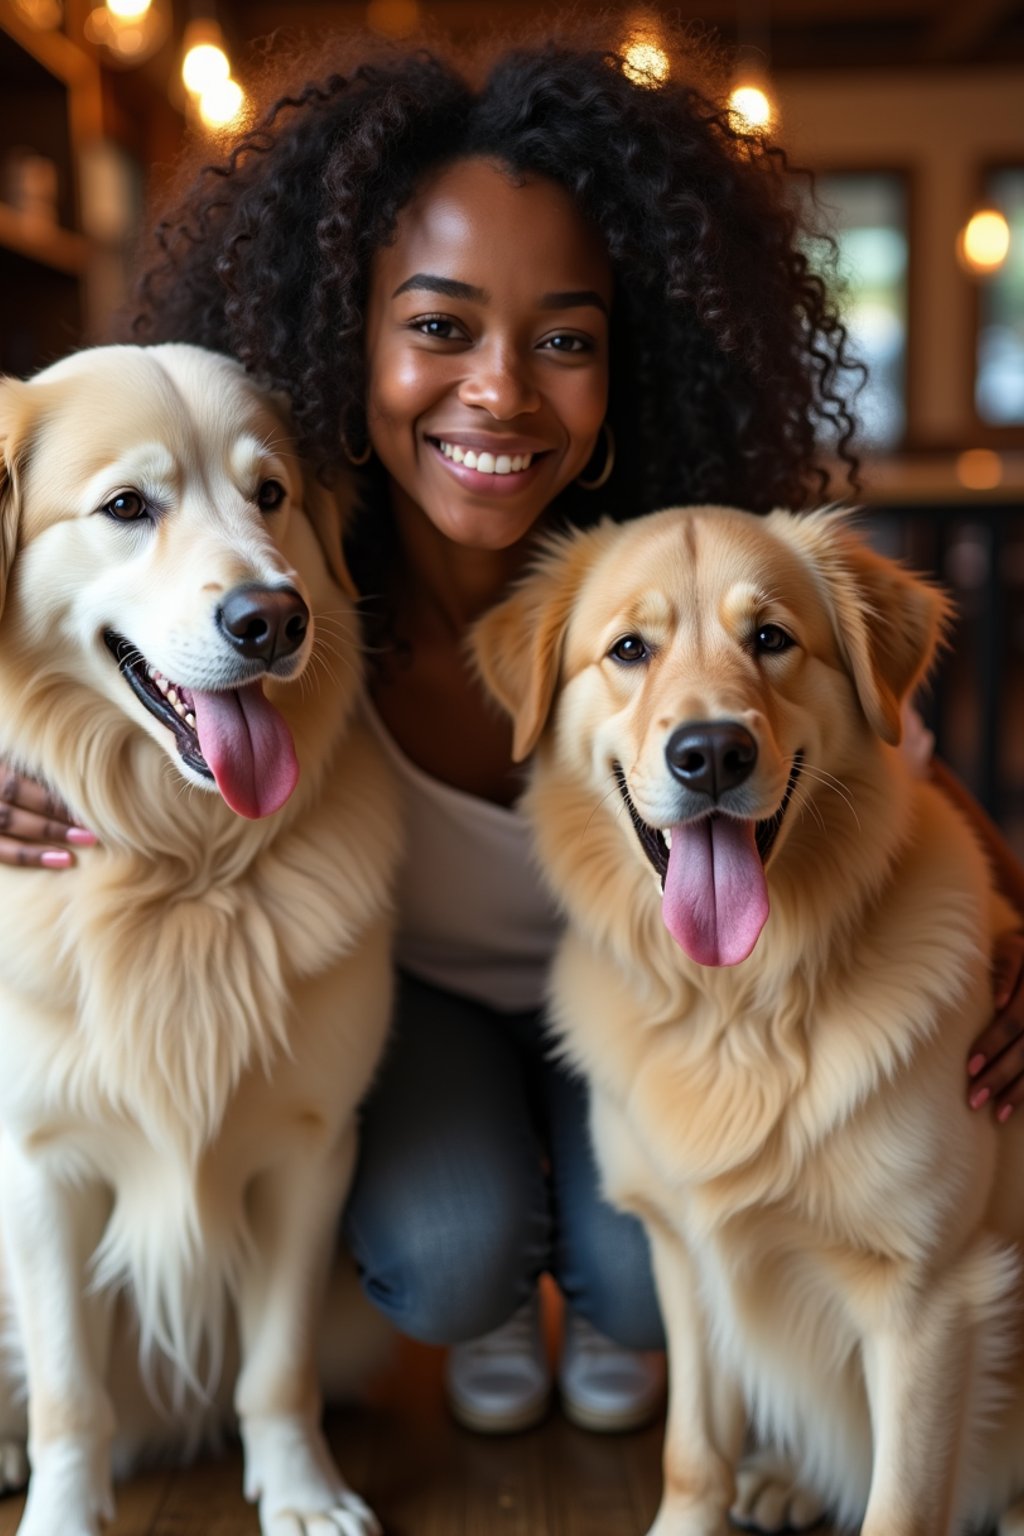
(222, 103)
(751, 108)
(128, 10)
(984, 242)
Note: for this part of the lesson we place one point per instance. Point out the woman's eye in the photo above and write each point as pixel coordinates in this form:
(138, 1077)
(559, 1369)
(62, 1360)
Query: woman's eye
(566, 343)
(125, 508)
(438, 327)
(772, 638)
(630, 648)
(270, 495)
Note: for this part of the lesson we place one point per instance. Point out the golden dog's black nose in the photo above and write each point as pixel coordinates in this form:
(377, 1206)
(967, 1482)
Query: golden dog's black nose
(711, 756)
(264, 623)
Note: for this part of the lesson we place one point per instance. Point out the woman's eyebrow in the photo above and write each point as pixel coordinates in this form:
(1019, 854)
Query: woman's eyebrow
(449, 287)
(574, 299)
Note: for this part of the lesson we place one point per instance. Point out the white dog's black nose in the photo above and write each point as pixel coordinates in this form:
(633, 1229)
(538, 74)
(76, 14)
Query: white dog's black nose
(711, 756)
(264, 623)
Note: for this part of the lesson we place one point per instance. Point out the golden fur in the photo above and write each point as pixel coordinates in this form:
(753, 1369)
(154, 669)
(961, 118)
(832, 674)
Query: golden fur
(835, 1235)
(188, 1018)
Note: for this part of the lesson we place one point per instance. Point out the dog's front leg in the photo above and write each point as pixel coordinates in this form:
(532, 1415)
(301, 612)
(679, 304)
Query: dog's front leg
(704, 1433)
(288, 1466)
(51, 1229)
(918, 1367)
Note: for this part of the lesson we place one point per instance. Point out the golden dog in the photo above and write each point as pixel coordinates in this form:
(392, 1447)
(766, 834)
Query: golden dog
(189, 1017)
(776, 958)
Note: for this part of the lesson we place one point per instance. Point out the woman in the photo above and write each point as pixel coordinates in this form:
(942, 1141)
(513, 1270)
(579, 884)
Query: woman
(561, 294)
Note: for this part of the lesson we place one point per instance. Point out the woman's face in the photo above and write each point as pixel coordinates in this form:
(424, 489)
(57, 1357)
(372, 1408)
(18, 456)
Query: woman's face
(487, 351)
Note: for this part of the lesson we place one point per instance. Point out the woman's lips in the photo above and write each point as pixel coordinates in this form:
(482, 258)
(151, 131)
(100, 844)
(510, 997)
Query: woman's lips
(492, 484)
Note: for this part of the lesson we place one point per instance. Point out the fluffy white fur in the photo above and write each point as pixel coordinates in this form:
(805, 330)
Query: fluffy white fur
(189, 1018)
(836, 1237)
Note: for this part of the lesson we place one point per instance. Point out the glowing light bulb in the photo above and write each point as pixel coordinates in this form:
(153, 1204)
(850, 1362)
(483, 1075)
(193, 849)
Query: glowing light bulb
(205, 67)
(222, 103)
(643, 61)
(750, 108)
(984, 242)
(128, 10)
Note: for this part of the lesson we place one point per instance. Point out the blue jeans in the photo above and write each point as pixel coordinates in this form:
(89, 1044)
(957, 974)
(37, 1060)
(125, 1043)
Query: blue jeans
(476, 1174)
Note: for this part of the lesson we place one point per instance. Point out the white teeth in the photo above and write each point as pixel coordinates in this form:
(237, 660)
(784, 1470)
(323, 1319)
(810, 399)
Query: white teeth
(190, 719)
(487, 463)
(666, 833)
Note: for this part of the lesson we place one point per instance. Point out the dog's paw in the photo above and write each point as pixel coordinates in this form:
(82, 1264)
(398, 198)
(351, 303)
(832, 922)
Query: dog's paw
(769, 1500)
(348, 1516)
(13, 1466)
(69, 1490)
(290, 1470)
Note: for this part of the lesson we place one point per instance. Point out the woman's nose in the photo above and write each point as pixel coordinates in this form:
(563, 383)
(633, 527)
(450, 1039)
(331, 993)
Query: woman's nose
(500, 383)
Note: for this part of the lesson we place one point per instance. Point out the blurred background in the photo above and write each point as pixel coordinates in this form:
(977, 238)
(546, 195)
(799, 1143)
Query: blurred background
(911, 112)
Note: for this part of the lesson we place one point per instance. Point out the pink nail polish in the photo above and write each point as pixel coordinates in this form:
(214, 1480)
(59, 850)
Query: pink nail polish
(979, 1097)
(81, 837)
(1005, 1113)
(975, 1064)
(54, 859)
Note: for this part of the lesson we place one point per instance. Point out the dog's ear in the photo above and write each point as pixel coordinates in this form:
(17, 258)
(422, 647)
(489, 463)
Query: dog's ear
(517, 645)
(329, 510)
(14, 430)
(889, 622)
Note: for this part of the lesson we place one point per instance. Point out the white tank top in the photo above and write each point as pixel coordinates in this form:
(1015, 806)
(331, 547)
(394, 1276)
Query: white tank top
(474, 916)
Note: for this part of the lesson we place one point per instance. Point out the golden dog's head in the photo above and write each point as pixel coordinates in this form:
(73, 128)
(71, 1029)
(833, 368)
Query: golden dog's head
(714, 672)
(153, 530)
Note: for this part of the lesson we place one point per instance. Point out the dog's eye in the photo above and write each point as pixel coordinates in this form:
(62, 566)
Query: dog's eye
(772, 638)
(126, 508)
(629, 648)
(270, 495)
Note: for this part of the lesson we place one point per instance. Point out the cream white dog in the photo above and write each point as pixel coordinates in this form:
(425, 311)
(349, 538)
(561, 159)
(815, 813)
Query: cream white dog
(189, 1017)
(777, 957)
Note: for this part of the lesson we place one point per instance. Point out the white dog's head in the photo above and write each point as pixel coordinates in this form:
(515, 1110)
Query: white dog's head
(152, 534)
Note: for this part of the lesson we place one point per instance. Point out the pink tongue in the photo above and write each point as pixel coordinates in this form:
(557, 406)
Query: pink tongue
(248, 747)
(716, 901)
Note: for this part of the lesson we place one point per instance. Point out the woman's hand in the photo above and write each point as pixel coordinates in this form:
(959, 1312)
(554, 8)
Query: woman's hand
(996, 1062)
(34, 824)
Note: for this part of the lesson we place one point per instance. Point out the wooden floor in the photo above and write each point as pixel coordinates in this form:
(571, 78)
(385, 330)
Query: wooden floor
(424, 1476)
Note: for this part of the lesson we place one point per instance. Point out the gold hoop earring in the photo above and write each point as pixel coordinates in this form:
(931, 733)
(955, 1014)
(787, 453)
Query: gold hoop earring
(364, 457)
(609, 463)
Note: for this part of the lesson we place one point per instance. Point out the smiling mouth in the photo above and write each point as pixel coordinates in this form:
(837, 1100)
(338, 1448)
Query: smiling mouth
(168, 702)
(656, 847)
(502, 466)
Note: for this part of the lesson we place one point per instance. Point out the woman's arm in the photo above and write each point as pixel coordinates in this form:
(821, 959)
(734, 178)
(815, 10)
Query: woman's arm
(35, 828)
(995, 1065)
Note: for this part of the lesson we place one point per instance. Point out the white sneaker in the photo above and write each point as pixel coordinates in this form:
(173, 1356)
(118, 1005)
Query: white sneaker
(605, 1387)
(501, 1383)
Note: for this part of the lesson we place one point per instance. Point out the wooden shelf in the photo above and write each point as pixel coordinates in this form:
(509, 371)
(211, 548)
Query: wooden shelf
(60, 249)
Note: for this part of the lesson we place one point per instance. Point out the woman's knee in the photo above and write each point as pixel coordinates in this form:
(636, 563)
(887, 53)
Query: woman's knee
(442, 1281)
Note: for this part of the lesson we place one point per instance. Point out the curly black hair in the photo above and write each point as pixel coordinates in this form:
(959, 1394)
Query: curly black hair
(728, 360)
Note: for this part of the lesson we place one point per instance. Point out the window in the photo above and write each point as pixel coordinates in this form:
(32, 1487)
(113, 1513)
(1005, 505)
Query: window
(999, 380)
(867, 215)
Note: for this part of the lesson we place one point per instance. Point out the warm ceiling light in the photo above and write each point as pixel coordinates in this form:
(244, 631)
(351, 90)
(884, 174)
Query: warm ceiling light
(128, 10)
(204, 62)
(643, 60)
(222, 103)
(750, 108)
(984, 242)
